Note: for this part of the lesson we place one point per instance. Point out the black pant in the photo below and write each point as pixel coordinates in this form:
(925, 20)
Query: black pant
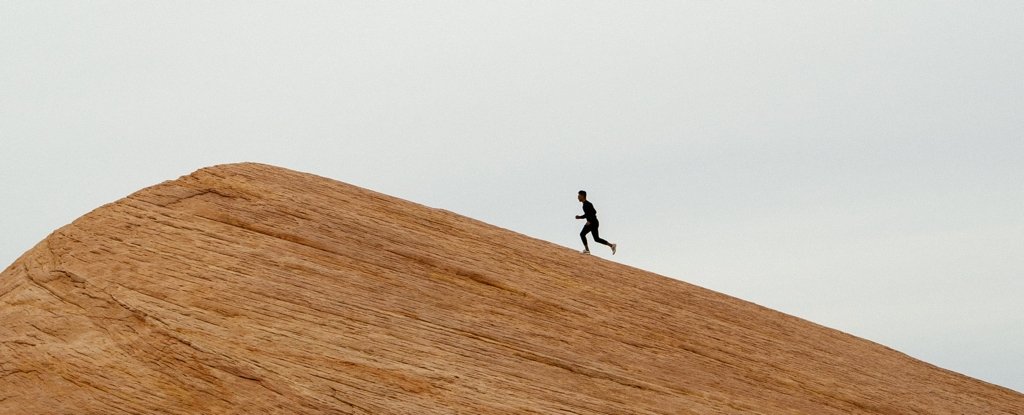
(591, 227)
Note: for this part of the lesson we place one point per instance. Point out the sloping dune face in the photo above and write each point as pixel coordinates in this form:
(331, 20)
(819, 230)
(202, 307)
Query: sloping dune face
(253, 289)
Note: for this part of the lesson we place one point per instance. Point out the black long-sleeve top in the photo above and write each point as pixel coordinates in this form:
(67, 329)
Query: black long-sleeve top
(589, 213)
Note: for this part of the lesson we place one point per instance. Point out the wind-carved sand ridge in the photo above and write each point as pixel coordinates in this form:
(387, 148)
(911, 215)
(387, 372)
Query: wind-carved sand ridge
(253, 289)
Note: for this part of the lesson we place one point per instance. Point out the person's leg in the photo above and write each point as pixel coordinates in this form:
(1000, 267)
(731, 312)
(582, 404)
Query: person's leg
(583, 236)
(597, 237)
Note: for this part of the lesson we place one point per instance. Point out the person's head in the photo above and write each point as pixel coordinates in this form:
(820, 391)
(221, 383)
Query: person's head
(582, 195)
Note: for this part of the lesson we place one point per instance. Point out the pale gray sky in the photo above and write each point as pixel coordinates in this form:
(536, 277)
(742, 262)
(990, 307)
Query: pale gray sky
(857, 164)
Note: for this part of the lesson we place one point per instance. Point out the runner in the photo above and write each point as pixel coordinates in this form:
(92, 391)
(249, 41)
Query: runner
(590, 214)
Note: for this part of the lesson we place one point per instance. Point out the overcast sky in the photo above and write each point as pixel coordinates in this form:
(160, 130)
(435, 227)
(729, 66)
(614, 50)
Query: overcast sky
(857, 164)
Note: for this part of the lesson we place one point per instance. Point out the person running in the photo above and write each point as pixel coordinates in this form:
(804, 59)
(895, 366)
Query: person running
(590, 214)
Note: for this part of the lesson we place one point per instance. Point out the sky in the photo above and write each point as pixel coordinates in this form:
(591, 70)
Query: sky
(855, 164)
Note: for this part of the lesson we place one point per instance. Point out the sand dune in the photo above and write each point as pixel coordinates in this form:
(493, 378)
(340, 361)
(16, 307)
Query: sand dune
(253, 289)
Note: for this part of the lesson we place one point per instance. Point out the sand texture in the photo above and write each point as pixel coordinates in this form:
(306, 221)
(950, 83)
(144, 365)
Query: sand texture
(251, 289)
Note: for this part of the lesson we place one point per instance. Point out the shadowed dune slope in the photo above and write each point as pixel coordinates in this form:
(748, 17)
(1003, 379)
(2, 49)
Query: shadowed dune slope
(248, 288)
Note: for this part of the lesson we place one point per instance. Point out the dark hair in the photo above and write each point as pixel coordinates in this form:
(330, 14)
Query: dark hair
(583, 192)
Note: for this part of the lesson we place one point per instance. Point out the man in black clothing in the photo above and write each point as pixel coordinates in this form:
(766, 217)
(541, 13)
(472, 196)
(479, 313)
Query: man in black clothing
(590, 214)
